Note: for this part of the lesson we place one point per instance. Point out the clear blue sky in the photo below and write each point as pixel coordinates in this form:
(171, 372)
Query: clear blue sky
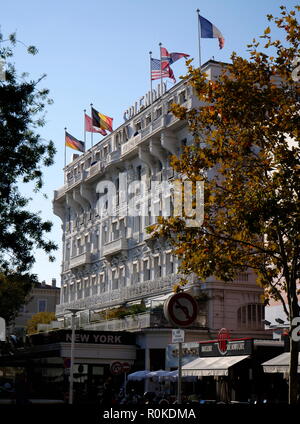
(98, 51)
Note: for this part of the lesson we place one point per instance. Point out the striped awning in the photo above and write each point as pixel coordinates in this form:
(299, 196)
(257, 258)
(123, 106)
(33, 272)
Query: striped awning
(211, 365)
(279, 364)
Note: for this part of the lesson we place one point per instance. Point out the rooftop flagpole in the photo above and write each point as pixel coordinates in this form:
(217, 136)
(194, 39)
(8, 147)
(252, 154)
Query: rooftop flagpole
(84, 130)
(65, 155)
(151, 94)
(92, 124)
(161, 77)
(151, 99)
(199, 37)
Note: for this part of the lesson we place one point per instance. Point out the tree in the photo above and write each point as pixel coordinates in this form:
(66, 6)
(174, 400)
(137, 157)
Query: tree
(39, 318)
(246, 150)
(23, 154)
(14, 288)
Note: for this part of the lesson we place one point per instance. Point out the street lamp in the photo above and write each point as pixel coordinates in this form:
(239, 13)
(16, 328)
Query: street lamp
(73, 312)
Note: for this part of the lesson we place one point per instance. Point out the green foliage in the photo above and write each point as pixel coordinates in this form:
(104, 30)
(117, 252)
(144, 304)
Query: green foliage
(121, 312)
(246, 150)
(251, 171)
(137, 309)
(39, 318)
(14, 289)
(23, 154)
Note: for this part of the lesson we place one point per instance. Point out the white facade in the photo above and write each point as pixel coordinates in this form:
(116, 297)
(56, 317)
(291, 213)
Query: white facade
(108, 258)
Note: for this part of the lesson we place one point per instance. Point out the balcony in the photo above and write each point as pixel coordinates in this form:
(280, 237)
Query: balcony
(153, 318)
(95, 169)
(113, 156)
(115, 246)
(126, 324)
(147, 319)
(75, 180)
(158, 123)
(131, 144)
(116, 297)
(59, 193)
(79, 260)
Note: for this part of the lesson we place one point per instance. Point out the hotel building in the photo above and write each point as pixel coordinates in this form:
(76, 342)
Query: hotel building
(109, 261)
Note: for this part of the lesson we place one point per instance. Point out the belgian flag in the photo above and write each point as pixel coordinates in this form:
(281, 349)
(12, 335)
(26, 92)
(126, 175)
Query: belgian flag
(74, 143)
(101, 121)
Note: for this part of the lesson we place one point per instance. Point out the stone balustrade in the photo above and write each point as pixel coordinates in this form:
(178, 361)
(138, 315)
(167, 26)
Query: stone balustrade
(137, 291)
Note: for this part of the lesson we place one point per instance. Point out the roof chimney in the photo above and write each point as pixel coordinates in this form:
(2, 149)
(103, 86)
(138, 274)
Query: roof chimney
(53, 282)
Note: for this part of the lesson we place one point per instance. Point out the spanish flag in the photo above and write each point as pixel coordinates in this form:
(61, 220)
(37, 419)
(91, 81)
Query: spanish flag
(74, 143)
(101, 121)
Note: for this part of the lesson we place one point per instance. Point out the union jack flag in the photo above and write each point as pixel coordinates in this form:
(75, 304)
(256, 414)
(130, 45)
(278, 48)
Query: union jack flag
(169, 58)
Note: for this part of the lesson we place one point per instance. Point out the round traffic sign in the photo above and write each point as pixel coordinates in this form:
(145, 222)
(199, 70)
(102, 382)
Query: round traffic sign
(116, 368)
(181, 309)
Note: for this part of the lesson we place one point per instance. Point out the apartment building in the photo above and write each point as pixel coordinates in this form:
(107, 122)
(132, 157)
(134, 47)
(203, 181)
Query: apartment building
(43, 297)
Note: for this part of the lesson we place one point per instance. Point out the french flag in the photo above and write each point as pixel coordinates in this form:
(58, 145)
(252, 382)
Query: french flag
(208, 30)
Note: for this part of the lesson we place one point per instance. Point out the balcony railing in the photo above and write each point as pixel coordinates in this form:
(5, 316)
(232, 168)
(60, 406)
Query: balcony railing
(127, 323)
(131, 144)
(113, 156)
(114, 246)
(72, 182)
(79, 260)
(149, 319)
(158, 123)
(60, 192)
(95, 169)
(170, 119)
(136, 291)
(76, 179)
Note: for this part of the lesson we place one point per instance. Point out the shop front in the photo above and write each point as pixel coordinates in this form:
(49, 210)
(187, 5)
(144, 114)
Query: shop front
(280, 364)
(99, 358)
(231, 370)
(277, 372)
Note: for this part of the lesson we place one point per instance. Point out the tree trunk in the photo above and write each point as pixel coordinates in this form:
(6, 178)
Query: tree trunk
(294, 313)
(293, 376)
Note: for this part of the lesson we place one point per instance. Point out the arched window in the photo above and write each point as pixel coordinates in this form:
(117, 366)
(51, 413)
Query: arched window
(251, 316)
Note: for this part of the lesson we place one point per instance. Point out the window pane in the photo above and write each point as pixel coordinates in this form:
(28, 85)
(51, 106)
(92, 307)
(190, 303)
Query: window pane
(249, 314)
(254, 313)
(239, 316)
(244, 315)
(42, 306)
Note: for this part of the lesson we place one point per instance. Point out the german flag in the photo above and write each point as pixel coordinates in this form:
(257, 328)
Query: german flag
(74, 143)
(101, 121)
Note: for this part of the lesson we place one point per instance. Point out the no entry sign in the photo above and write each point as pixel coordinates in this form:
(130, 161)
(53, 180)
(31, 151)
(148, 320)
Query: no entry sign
(181, 309)
(117, 367)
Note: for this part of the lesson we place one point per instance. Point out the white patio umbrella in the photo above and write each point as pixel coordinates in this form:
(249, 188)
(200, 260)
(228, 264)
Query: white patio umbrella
(173, 376)
(159, 374)
(138, 375)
